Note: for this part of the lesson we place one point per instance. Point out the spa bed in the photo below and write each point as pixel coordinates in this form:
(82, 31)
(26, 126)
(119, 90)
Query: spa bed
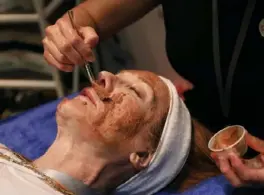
(30, 133)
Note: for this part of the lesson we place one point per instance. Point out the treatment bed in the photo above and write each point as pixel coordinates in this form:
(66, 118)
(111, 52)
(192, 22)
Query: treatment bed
(30, 133)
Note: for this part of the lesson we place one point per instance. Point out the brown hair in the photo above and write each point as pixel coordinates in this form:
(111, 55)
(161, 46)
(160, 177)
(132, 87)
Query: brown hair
(199, 165)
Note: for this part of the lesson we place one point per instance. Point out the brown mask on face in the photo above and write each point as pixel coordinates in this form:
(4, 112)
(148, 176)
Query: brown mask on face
(121, 128)
(105, 95)
(118, 119)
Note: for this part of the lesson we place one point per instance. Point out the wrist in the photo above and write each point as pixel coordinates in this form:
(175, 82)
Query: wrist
(82, 18)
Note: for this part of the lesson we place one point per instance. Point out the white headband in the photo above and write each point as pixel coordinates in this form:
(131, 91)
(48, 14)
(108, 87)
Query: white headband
(171, 153)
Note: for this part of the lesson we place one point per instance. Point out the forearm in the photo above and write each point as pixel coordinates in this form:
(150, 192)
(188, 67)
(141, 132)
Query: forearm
(108, 17)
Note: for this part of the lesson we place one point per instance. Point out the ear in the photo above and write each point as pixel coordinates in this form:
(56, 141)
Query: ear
(140, 160)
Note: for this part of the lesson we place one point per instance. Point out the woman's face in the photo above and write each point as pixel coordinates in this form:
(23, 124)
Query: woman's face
(116, 108)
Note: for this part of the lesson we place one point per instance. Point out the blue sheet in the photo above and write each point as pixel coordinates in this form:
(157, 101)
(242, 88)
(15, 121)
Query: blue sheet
(31, 133)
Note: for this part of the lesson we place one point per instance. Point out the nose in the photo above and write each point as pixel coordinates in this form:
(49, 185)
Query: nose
(106, 80)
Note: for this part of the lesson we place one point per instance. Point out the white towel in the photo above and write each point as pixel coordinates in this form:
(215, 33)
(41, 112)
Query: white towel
(171, 153)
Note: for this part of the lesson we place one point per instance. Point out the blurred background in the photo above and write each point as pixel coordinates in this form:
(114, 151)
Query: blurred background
(27, 81)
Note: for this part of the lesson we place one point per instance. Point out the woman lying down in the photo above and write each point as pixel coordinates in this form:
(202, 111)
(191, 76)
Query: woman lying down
(129, 133)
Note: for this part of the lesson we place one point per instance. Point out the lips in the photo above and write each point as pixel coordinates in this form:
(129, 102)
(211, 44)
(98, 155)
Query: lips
(86, 93)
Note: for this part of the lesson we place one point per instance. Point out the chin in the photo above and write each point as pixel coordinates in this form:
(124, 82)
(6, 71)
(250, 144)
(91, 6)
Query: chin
(71, 109)
(63, 101)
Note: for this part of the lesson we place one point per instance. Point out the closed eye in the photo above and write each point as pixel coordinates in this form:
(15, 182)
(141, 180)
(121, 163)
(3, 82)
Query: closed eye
(135, 91)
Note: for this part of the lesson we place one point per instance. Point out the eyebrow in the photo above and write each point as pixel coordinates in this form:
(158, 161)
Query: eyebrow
(138, 77)
(153, 99)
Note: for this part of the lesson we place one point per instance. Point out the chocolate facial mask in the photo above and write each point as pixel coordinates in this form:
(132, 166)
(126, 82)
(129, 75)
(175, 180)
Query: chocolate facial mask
(232, 137)
(226, 138)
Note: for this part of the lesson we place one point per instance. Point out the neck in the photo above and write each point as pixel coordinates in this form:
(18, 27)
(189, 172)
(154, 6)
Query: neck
(199, 165)
(72, 159)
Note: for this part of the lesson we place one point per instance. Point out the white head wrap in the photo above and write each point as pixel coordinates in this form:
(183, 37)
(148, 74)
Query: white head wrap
(171, 153)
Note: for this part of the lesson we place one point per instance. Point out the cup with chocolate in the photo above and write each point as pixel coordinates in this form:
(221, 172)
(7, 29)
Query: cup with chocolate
(231, 137)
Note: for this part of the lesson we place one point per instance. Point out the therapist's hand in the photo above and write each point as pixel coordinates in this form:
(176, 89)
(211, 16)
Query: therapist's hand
(182, 85)
(240, 171)
(64, 47)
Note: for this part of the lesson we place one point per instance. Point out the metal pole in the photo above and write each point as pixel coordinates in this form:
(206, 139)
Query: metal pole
(39, 6)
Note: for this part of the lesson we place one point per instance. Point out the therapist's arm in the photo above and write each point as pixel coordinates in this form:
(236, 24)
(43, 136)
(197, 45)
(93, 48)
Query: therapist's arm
(64, 47)
(109, 16)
